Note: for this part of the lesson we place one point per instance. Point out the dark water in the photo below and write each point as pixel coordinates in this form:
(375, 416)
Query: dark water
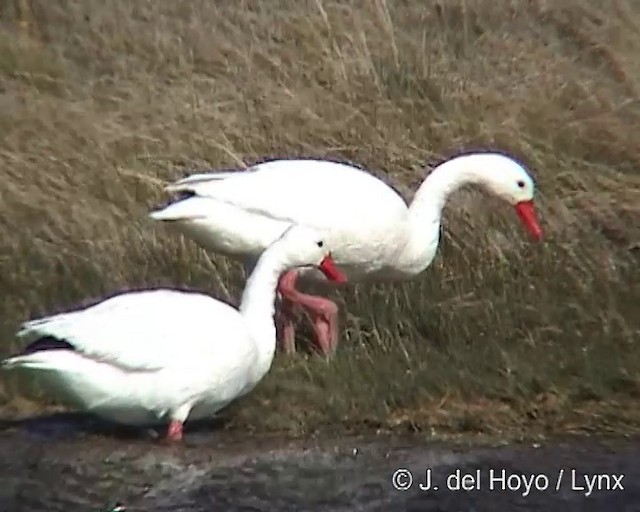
(51, 466)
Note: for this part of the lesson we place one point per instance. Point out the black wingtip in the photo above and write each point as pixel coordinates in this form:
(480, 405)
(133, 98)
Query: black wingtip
(175, 198)
(46, 343)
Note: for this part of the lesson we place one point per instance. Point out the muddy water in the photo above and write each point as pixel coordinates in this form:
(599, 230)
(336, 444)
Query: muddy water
(65, 464)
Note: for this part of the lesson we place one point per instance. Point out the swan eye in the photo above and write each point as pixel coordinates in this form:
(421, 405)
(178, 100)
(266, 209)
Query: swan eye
(521, 184)
(320, 243)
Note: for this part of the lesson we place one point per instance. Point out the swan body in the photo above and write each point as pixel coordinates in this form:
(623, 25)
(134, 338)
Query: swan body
(142, 357)
(240, 213)
(373, 233)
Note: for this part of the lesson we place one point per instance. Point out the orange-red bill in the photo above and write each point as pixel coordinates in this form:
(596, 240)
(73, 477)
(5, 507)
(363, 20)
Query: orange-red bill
(527, 213)
(329, 269)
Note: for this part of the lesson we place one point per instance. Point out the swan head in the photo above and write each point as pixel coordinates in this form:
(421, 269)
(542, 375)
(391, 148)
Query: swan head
(509, 180)
(302, 246)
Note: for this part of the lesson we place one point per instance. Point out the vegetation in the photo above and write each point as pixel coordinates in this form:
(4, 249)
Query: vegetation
(104, 102)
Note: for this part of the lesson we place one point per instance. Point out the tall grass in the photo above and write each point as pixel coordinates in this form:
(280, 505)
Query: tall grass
(102, 103)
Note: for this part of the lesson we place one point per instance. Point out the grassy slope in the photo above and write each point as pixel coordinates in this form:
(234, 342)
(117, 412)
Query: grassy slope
(100, 105)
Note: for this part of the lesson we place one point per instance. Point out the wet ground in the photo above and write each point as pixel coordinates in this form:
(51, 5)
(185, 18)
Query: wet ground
(64, 464)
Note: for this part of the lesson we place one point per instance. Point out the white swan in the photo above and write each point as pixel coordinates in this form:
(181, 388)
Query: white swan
(373, 234)
(143, 357)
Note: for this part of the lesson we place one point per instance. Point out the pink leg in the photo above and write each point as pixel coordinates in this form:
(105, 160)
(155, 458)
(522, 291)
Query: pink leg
(324, 313)
(287, 333)
(174, 433)
(325, 321)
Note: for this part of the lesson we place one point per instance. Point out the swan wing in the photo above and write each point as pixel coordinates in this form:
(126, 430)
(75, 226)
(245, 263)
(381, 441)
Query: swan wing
(144, 331)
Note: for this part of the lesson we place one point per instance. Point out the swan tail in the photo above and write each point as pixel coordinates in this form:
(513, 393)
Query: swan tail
(184, 208)
(49, 360)
(190, 183)
(55, 327)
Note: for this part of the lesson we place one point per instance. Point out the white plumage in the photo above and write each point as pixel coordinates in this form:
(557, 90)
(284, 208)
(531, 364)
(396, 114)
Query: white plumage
(146, 356)
(367, 223)
(373, 233)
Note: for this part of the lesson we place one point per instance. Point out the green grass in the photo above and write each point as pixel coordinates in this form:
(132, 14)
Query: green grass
(101, 104)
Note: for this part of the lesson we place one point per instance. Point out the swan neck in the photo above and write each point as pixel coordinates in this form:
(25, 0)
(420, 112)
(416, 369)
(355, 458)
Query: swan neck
(258, 308)
(432, 196)
(425, 212)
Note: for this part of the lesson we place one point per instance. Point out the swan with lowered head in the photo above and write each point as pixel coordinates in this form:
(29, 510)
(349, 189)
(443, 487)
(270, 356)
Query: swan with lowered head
(374, 235)
(148, 356)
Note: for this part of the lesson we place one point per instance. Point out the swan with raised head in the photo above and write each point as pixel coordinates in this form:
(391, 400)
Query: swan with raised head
(150, 356)
(374, 235)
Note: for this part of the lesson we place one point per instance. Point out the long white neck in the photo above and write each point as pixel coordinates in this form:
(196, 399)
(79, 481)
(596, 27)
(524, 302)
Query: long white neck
(425, 211)
(258, 308)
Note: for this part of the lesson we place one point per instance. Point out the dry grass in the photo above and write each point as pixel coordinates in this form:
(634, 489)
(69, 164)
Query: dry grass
(103, 102)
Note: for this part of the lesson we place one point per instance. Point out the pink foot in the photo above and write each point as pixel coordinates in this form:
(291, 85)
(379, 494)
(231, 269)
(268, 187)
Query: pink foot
(174, 433)
(323, 312)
